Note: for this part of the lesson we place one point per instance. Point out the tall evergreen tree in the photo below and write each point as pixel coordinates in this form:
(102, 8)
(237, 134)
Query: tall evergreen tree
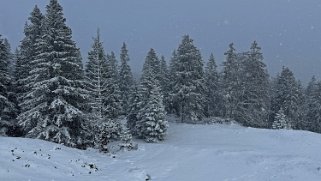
(214, 97)
(232, 83)
(163, 74)
(55, 102)
(288, 96)
(102, 80)
(151, 124)
(171, 106)
(112, 95)
(152, 61)
(150, 72)
(135, 106)
(164, 80)
(96, 76)
(7, 106)
(126, 80)
(312, 117)
(254, 103)
(27, 52)
(188, 83)
(11, 57)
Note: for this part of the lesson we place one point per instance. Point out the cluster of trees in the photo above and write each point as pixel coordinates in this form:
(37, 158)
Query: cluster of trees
(48, 94)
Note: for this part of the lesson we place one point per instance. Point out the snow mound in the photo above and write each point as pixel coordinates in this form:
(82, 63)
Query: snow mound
(191, 152)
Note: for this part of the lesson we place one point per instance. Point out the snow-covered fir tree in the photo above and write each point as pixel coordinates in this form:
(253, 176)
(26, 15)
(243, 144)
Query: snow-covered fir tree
(126, 140)
(254, 103)
(288, 95)
(231, 81)
(152, 61)
(163, 76)
(113, 107)
(11, 57)
(126, 80)
(309, 96)
(280, 121)
(164, 80)
(214, 99)
(171, 105)
(312, 117)
(140, 94)
(151, 124)
(106, 131)
(56, 100)
(135, 105)
(187, 87)
(102, 85)
(7, 106)
(27, 52)
(96, 78)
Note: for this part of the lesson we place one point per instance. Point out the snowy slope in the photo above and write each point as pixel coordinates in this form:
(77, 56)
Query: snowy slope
(191, 152)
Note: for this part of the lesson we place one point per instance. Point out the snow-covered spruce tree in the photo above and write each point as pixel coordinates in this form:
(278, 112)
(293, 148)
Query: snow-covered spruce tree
(135, 105)
(112, 95)
(280, 121)
(126, 80)
(56, 98)
(288, 95)
(151, 124)
(11, 57)
(312, 117)
(164, 81)
(171, 105)
(96, 78)
(188, 82)
(163, 75)
(101, 78)
(110, 129)
(126, 141)
(153, 62)
(106, 130)
(214, 99)
(254, 102)
(309, 100)
(95, 75)
(232, 83)
(159, 69)
(26, 53)
(7, 106)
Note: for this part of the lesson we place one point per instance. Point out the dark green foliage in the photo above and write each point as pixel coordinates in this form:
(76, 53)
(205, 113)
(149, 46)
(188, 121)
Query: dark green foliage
(214, 97)
(231, 80)
(254, 101)
(7, 105)
(187, 84)
(150, 122)
(54, 104)
(112, 95)
(288, 95)
(126, 80)
(312, 117)
(96, 78)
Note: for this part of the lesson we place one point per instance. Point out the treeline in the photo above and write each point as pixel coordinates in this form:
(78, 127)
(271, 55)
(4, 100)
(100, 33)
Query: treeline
(48, 93)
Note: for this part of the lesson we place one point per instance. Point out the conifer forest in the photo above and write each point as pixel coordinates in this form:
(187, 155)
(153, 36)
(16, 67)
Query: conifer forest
(50, 90)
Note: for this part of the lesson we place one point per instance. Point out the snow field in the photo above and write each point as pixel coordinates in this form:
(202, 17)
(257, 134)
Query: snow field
(190, 152)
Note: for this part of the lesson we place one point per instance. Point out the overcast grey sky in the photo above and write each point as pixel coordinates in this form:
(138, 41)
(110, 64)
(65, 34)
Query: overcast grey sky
(289, 31)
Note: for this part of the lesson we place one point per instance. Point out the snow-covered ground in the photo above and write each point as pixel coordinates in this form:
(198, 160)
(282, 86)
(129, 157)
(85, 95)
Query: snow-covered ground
(191, 152)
